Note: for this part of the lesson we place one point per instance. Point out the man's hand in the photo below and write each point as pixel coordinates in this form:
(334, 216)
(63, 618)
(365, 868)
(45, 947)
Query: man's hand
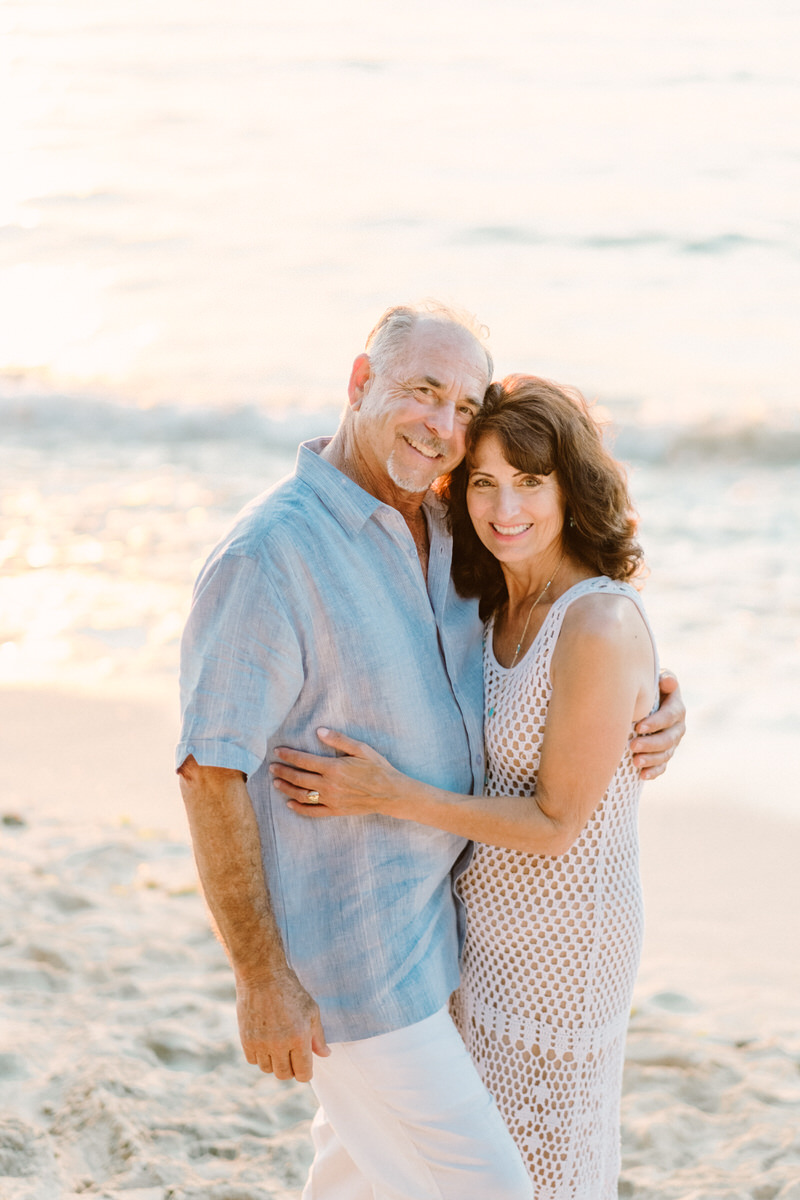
(657, 736)
(279, 1025)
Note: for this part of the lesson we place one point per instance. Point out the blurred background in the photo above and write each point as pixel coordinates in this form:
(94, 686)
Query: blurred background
(205, 206)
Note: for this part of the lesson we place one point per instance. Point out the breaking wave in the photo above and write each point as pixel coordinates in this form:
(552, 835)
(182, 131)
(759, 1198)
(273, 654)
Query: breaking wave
(45, 422)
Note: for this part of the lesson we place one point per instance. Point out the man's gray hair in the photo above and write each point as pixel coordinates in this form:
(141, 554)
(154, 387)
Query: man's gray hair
(392, 329)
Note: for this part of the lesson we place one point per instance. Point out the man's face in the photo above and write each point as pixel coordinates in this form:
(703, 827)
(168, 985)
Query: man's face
(412, 418)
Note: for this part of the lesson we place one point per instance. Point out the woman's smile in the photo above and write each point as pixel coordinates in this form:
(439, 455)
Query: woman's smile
(509, 530)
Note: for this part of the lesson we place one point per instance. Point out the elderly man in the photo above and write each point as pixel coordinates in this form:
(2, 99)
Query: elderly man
(330, 603)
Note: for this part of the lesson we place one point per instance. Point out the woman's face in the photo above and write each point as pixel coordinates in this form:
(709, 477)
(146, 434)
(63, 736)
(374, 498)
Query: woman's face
(518, 517)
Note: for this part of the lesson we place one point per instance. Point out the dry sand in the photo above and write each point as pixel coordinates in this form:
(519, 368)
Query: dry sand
(120, 1070)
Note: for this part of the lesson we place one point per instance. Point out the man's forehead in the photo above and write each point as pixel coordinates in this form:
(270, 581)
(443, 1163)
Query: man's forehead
(435, 350)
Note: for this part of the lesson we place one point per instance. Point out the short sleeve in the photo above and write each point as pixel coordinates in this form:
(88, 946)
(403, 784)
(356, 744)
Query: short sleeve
(241, 666)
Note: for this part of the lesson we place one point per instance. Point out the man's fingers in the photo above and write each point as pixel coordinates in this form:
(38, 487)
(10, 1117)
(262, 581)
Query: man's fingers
(318, 1041)
(302, 1066)
(654, 743)
(650, 766)
(647, 773)
(282, 1065)
(646, 762)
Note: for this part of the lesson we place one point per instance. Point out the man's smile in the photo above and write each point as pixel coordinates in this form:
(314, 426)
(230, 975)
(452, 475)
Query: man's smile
(425, 449)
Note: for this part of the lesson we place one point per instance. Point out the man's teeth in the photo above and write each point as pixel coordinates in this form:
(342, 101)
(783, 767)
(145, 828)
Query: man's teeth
(426, 450)
(510, 530)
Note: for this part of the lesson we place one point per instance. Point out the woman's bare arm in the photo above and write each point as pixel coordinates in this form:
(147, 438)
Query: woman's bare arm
(602, 681)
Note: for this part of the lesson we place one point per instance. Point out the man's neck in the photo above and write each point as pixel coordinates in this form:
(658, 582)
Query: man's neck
(342, 452)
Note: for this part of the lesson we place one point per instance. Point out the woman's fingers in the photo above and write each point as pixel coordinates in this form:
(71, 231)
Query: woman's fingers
(343, 743)
(307, 781)
(298, 791)
(313, 811)
(302, 759)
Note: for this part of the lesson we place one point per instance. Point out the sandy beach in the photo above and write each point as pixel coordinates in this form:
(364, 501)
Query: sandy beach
(204, 210)
(121, 1074)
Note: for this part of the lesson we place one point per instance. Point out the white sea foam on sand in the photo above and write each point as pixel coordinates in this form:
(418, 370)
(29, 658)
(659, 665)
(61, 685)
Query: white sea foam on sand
(121, 1074)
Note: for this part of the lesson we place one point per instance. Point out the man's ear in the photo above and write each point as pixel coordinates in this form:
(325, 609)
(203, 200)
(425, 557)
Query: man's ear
(359, 378)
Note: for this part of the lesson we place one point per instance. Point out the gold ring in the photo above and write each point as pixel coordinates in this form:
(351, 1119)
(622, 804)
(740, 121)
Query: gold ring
(312, 797)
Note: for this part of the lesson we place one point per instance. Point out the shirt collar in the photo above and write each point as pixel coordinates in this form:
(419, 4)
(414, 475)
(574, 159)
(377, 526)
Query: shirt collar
(350, 504)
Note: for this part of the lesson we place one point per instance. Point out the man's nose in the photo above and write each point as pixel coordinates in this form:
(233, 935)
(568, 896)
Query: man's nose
(441, 418)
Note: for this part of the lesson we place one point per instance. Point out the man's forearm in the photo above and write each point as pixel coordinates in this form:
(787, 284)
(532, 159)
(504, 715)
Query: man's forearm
(227, 850)
(279, 1022)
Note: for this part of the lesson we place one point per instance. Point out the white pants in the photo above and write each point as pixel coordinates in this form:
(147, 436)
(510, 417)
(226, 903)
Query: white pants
(404, 1116)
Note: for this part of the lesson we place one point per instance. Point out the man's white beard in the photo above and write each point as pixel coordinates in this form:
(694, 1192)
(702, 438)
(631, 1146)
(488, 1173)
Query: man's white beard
(409, 483)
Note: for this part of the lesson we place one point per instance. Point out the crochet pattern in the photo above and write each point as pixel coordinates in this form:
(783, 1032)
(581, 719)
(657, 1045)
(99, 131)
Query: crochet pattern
(553, 946)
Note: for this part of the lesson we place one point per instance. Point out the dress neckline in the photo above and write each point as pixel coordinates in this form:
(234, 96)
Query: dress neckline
(489, 634)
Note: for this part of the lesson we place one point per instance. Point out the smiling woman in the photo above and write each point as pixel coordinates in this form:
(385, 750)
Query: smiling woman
(526, 426)
(511, 511)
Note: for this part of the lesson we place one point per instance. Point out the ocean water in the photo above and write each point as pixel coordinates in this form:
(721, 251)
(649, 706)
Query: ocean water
(204, 207)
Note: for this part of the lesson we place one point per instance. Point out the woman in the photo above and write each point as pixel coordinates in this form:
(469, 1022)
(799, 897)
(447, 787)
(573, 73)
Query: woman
(544, 535)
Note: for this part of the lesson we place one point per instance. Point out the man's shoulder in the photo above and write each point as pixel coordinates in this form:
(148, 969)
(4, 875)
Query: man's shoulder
(275, 518)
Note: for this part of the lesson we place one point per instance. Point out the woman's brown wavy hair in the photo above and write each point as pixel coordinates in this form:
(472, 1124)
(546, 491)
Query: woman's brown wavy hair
(543, 427)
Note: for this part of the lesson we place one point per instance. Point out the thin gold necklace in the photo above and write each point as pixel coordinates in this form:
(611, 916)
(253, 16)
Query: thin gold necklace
(541, 596)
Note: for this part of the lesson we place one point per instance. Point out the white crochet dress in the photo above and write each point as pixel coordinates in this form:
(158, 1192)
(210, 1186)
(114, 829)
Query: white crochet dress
(552, 946)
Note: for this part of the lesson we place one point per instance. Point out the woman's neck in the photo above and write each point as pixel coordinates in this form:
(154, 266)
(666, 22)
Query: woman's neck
(552, 576)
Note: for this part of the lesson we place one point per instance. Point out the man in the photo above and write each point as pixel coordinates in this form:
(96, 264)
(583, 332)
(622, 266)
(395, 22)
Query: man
(330, 603)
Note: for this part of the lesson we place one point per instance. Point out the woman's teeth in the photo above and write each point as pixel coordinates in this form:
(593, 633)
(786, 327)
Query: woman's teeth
(509, 530)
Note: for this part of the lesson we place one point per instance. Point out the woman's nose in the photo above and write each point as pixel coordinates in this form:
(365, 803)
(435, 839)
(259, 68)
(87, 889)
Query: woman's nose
(506, 503)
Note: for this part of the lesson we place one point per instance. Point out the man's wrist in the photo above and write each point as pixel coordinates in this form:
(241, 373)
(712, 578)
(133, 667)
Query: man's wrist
(272, 975)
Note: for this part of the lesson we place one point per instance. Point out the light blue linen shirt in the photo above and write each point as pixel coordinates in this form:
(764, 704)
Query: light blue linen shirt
(314, 611)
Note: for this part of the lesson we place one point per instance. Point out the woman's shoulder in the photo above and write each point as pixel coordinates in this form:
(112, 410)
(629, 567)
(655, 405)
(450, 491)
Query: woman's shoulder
(603, 608)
